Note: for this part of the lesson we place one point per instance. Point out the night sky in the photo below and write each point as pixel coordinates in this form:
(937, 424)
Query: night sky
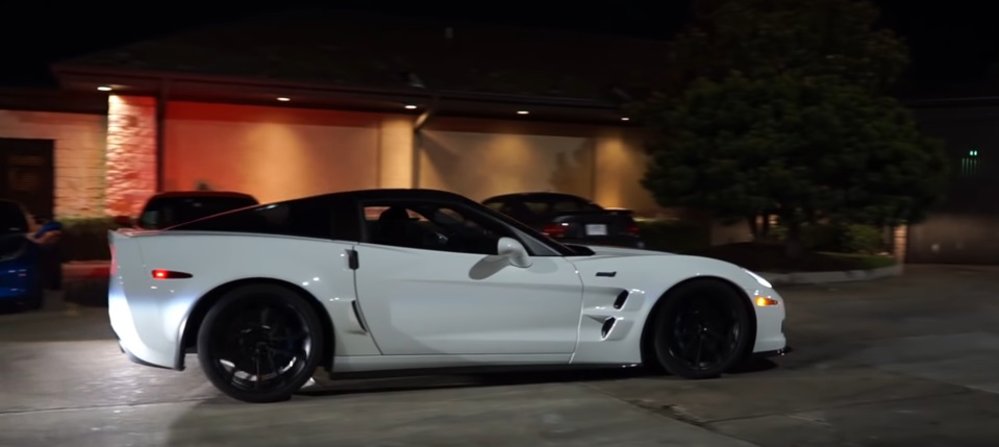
(951, 42)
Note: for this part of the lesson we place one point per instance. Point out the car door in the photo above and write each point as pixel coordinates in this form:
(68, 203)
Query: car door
(429, 281)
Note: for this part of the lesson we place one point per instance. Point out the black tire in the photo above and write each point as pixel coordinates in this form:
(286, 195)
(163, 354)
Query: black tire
(260, 330)
(702, 329)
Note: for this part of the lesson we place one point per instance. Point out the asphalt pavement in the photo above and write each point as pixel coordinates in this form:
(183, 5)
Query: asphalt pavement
(906, 361)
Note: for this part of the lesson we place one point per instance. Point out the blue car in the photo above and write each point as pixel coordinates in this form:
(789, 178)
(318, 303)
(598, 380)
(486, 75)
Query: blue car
(20, 276)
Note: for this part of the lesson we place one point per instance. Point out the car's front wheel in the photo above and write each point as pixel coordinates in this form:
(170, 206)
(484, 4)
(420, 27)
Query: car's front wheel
(260, 343)
(702, 329)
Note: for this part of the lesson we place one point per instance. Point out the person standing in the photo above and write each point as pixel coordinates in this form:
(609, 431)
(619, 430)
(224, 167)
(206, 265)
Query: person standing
(50, 256)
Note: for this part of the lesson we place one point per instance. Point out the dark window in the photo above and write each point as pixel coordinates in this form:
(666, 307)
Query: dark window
(572, 205)
(432, 226)
(315, 217)
(163, 212)
(496, 206)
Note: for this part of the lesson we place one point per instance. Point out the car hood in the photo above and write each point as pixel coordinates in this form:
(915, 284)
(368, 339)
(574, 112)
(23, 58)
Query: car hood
(636, 266)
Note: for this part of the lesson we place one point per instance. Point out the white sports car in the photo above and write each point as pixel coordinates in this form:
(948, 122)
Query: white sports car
(418, 279)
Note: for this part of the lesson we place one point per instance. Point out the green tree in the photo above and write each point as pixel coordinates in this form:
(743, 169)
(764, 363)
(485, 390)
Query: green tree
(782, 112)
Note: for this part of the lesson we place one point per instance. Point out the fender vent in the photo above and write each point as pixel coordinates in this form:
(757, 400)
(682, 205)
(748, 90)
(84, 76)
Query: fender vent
(621, 298)
(608, 324)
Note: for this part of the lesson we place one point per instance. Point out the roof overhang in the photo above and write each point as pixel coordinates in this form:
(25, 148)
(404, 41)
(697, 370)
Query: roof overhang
(240, 90)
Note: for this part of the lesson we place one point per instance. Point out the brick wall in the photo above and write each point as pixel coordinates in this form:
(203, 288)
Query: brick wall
(131, 153)
(79, 155)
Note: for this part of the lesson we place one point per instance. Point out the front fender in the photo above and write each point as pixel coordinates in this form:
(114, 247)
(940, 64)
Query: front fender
(621, 290)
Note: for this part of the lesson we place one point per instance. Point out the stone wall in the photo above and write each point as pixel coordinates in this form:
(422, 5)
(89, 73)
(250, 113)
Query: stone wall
(131, 154)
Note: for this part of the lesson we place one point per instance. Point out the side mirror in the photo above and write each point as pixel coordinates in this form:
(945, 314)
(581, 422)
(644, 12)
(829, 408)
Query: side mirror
(514, 252)
(123, 221)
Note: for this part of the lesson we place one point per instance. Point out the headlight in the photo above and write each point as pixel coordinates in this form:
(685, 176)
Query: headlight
(763, 281)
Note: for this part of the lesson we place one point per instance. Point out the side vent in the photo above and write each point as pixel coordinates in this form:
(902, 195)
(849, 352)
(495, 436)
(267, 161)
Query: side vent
(357, 314)
(621, 298)
(608, 324)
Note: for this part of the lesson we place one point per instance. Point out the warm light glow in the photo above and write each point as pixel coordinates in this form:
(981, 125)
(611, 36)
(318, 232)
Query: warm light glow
(522, 112)
(410, 107)
(130, 154)
(205, 139)
(764, 301)
(104, 88)
(159, 274)
(625, 118)
(283, 98)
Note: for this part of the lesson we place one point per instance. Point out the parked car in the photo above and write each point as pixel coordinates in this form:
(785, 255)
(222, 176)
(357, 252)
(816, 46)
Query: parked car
(170, 208)
(570, 219)
(397, 279)
(20, 273)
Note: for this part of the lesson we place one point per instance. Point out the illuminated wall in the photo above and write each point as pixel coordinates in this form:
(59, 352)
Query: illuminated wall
(131, 154)
(277, 153)
(482, 158)
(78, 155)
(620, 165)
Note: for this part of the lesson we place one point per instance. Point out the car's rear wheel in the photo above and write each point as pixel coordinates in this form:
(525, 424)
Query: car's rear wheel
(260, 343)
(702, 329)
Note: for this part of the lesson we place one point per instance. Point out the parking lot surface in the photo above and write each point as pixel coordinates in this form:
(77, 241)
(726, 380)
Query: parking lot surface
(907, 361)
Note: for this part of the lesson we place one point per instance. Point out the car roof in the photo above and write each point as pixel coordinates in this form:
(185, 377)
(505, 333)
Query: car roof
(406, 193)
(540, 195)
(386, 193)
(171, 194)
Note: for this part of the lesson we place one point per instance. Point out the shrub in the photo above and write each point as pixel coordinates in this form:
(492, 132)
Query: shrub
(674, 236)
(86, 238)
(865, 239)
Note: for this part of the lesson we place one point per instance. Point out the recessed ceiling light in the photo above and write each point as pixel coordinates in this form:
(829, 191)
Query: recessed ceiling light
(410, 106)
(522, 112)
(283, 98)
(624, 118)
(104, 88)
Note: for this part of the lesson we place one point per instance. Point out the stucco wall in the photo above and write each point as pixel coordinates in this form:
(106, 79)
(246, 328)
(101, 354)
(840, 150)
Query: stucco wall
(274, 153)
(78, 155)
(482, 158)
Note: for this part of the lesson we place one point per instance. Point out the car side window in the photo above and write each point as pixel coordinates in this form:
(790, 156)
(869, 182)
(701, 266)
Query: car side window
(314, 218)
(565, 205)
(496, 206)
(431, 226)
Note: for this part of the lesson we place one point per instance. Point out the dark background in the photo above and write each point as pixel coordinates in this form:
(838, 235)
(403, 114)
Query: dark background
(951, 42)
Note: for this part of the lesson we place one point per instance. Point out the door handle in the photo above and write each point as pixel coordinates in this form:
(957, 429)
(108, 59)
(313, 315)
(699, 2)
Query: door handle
(352, 260)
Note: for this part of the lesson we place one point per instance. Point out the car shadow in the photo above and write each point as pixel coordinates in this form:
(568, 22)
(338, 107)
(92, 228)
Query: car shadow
(414, 381)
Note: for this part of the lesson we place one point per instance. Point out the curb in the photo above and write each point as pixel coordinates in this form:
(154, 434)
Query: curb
(833, 277)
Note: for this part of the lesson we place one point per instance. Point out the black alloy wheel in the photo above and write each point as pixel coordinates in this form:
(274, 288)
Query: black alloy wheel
(702, 330)
(260, 343)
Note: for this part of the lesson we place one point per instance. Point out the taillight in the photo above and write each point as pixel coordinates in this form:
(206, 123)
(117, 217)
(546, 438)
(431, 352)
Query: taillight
(632, 229)
(169, 274)
(555, 229)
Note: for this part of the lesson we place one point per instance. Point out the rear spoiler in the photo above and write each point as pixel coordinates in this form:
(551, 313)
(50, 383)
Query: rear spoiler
(131, 232)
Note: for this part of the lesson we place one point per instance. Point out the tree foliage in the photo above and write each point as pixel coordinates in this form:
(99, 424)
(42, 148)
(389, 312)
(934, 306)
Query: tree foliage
(782, 112)
(831, 40)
